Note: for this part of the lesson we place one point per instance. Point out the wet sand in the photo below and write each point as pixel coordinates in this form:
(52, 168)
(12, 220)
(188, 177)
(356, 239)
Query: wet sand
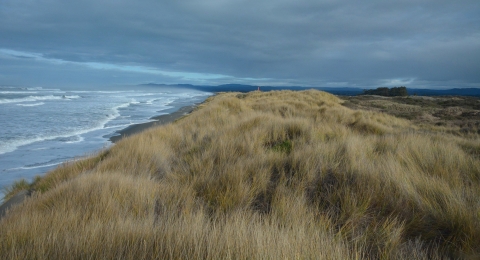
(159, 120)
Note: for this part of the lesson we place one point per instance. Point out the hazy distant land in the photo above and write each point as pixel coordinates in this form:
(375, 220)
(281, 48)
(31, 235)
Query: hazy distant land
(344, 91)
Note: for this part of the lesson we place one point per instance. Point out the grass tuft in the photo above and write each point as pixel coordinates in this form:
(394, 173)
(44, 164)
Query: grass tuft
(15, 188)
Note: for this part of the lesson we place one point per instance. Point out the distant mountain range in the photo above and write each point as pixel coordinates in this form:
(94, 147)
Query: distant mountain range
(344, 91)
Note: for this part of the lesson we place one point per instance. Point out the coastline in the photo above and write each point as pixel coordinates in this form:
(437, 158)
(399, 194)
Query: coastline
(128, 131)
(158, 121)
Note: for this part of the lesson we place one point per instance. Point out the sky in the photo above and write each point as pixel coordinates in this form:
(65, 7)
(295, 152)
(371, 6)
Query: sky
(317, 43)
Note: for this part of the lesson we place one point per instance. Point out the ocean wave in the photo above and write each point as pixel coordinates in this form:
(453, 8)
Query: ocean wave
(18, 92)
(13, 145)
(150, 102)
(101, 91)
(39, 149)
(124, 105)
(39, 165)
(70, 139)
(31, 105)
(71, 97)
(121, 126)
(100, 124)
(43, 89)
(145, 94)
(166, 101)
(78, 140)
(36, 98)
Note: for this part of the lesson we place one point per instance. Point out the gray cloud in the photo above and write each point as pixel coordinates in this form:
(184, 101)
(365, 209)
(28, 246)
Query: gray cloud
(335, 43)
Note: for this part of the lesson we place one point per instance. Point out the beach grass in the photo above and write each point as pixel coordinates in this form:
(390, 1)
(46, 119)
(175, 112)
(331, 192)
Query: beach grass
(262, 175)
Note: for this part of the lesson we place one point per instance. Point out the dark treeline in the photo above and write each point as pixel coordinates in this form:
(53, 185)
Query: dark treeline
(388, 92)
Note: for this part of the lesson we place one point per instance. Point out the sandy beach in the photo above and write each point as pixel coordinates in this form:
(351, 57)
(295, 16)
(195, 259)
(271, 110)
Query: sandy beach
(159, 120)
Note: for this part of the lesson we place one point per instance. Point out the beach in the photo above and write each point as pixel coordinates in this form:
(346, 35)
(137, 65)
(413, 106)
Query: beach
(130, 130)
(158, 120)
(36, 137)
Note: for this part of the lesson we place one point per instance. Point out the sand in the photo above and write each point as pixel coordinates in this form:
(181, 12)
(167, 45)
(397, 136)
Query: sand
(16, 199)
(158, 120)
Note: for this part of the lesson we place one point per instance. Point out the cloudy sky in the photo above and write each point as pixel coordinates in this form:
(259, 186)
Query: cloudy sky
(330, 43)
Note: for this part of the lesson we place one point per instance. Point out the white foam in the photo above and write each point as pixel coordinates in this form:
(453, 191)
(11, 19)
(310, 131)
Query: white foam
(44, 89)
(166, 101)
(145, 94)
(71, 97)
(34, 166)
(150, 102)
(35, 98)
(41, 148)
(78, 140)
(124, 105)
(14, 145)
(31, 105)
(101, 91)
(99, 124)
(18, 92)
(119, 126)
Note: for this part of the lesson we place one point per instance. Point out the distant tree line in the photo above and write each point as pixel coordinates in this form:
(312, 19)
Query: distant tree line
(388, 92)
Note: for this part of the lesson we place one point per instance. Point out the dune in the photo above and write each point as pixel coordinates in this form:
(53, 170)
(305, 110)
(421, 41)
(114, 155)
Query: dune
(262, 175)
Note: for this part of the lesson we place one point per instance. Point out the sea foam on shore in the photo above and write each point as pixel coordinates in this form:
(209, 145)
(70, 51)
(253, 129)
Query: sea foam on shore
(42, 128)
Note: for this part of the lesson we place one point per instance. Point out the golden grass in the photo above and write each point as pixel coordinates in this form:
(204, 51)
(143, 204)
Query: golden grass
(275, 175)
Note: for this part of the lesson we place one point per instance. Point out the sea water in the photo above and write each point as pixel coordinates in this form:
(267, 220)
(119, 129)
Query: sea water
(41, 128)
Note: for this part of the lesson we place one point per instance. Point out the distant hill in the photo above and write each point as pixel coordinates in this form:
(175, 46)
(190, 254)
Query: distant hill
(344, 91)
(247, 88)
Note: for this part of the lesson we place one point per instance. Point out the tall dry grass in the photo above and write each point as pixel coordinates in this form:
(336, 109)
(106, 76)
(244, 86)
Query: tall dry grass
(276, 175)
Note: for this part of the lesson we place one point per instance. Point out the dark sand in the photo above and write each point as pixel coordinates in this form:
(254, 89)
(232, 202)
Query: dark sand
(159, 120)
(16, 199)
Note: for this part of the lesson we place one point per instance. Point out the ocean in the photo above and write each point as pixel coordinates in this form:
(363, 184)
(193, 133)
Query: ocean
(41, 128)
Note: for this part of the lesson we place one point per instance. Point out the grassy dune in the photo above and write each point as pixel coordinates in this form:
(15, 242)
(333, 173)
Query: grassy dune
(275, 175)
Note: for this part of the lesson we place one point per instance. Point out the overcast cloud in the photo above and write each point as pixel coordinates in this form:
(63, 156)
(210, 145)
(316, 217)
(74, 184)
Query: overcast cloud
(363, 44)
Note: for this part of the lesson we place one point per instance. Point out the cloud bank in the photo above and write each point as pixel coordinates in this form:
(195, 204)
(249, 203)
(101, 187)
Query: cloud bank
(307, 42)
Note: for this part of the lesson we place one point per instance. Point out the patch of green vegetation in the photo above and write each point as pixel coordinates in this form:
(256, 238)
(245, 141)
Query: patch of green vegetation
(283, 147)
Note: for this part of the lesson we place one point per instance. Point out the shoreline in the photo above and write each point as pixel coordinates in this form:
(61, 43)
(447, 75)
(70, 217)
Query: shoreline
(5, 205)
(158, 121)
